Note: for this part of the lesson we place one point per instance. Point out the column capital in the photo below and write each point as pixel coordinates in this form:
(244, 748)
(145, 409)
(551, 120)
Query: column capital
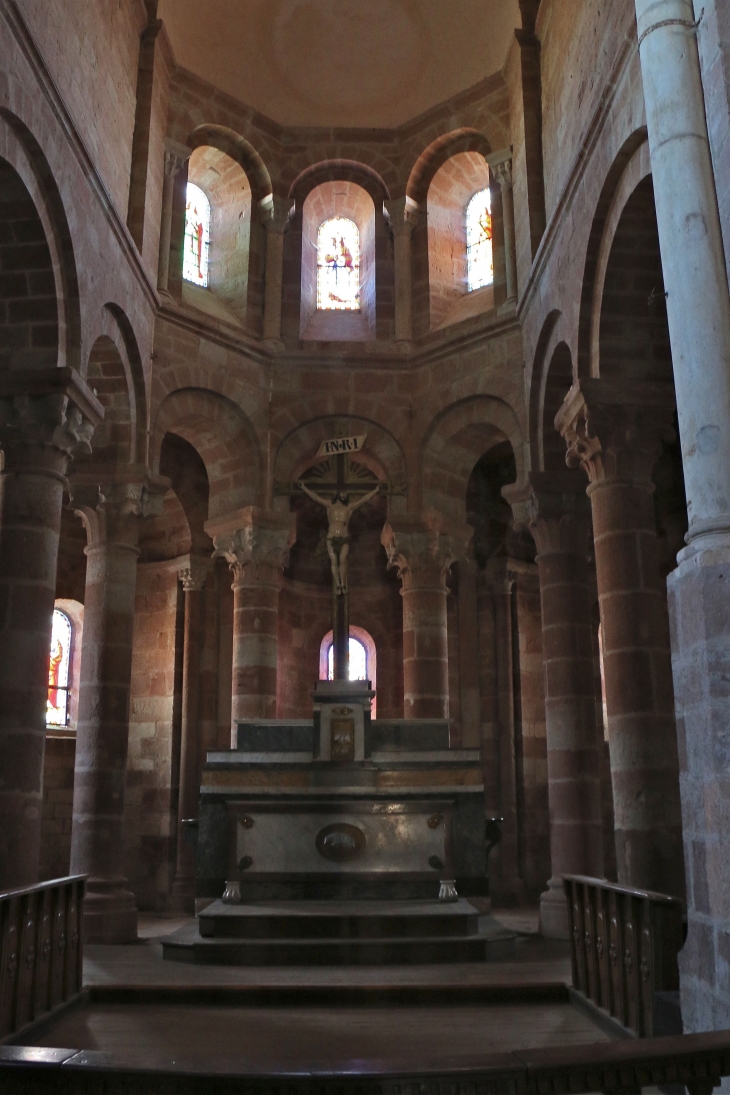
(194, 574)
(112, 503)
(614, 428)
(403, 215)
(176, 156)
(502, 169)
(275, 213)
(556, 510)
(422, 552)
(254, 542)
(47, 407)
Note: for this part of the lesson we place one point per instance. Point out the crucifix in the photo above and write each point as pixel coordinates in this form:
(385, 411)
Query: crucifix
(340, 494)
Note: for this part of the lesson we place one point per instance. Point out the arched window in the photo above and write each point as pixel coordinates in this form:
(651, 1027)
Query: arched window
(358, 661)
(338, 266)
(57, 709)
(479, 257)
(197, 237)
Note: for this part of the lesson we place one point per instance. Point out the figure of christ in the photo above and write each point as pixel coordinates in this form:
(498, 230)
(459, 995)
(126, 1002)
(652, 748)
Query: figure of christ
(339, 512)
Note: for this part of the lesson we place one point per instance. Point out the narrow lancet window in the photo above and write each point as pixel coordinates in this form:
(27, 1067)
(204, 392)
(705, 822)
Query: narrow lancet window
(58, 670)
(197, 237)
(338, 266)
(479, 256)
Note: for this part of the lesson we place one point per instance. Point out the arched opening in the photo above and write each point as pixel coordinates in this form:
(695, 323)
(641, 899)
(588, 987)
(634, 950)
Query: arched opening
(217, 251)
(460, 240)
(338, 264)
(59, 670)
(28, 305)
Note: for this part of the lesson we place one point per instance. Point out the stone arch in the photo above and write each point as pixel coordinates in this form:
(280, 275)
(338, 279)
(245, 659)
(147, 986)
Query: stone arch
(382, 454)
(22, 151)
(553, 374)
(224, 438)
(436, 155)
(456, 441)
(631, 165)
(339, 171)
(240, 150)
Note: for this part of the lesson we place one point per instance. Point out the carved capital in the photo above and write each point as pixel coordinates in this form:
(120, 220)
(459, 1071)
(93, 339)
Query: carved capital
(49, 408)
(555, 508)
(176, 156)
(422, 552)
(194, 574)
(113, 506)
(614, 429)
(402, 215)
(275, 213)
(254, 543)
(503, 173)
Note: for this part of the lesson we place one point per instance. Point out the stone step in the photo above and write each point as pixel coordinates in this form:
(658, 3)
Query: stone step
(339, 920)
(335, 952)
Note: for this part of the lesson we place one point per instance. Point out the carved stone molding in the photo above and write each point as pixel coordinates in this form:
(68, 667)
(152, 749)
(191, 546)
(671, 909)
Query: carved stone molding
(51, 408)
(255, 544)
(403, 215)
(176, 156)
(275, 214)
(614, 429)
(112, 506)
(422, 552)
(194, 574)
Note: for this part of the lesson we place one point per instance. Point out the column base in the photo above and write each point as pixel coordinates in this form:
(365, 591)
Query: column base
(182, 896)
(110, 912)
(554, 922)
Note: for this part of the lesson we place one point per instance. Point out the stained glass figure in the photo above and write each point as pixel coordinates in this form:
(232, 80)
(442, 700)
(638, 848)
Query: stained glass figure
(58, 670)
(358, 661)
(197, 237)
(479, 256)
(338, 266)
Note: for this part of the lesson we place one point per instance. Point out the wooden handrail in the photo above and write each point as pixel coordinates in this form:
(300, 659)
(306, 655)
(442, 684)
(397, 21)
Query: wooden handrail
(699, 1061)
(41, 950)
(624, 945)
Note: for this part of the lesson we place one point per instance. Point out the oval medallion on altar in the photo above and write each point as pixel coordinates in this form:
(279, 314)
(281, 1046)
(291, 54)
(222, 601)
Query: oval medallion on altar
(340, 842)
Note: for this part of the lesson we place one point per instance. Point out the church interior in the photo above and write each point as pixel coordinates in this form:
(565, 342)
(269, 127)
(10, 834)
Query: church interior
(365, 470)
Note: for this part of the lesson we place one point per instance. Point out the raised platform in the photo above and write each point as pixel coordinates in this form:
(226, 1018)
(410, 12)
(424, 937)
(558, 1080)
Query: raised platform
(336, 933)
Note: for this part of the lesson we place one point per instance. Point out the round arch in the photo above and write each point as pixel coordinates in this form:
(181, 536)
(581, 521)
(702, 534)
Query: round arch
(366, 641)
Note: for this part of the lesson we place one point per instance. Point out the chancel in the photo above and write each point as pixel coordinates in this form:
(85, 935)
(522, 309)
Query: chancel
(364, 545)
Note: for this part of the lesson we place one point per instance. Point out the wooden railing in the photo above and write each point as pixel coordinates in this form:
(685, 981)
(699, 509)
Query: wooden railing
(698, 1061)
(624, 947)
(40, 950)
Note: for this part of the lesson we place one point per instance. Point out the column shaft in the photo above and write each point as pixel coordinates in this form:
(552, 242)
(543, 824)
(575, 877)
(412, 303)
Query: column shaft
(183, 888)
(31, 495)
(425, 650)
(255, 644)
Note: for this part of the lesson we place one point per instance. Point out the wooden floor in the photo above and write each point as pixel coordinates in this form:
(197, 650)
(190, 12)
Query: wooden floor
(417, 1028)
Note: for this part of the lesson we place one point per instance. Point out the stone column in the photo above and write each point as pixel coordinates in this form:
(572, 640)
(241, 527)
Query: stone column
(256, 545)
(471, 734)
(112, 512)
(698, 310)
(511, 887)
(503, 173)
(403, 216)
(176, 156)
(193, 578)
(274, 214)
(614, 429)
(44, 418)
(422, 556)
(559, 519)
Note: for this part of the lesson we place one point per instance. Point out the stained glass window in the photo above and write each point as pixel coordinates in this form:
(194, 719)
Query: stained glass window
(197, 237)
(338, 266)
(358, 661)
(479, 259)
(58, 670)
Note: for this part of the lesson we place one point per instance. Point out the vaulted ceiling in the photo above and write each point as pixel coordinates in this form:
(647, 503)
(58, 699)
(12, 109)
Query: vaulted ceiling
(341, 62)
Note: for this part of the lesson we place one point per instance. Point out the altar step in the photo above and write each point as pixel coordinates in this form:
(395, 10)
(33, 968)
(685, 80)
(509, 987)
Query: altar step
(340, 933)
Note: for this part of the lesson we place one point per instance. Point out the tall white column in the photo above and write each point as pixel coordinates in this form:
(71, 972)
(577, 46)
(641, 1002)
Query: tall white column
(698, 310)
